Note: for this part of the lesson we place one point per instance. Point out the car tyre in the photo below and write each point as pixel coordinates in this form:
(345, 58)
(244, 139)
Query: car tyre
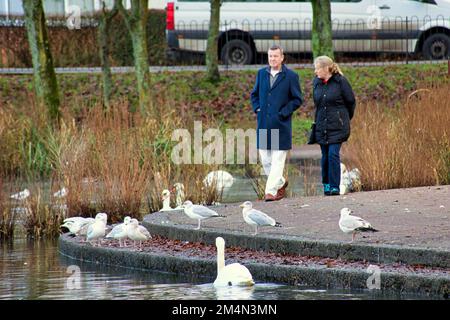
(236, 52)
(436, 47)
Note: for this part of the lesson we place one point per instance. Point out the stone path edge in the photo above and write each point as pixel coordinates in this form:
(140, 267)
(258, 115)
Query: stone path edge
(296, 245)
(292, 275)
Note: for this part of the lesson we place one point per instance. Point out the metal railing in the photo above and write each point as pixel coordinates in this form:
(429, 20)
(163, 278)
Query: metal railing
(243, 43)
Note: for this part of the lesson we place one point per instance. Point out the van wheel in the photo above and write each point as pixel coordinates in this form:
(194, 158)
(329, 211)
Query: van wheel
(436, 46)
(236, 52)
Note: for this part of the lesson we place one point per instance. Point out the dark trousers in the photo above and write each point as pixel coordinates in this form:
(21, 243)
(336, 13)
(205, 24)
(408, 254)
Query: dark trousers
(331, 164)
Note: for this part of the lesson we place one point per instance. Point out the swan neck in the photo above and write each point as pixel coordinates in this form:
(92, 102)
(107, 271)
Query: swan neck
(220, 259)
(166, 202)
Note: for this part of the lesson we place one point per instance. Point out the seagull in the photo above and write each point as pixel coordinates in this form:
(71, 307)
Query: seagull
(221, 179)
(165, 197)
(137, 232)
(120, 231)
(96, 230)
(61, 193)
(179, 194)
(22, 195)
(257, 218)
(76, 224)
(353, 224)
(234, 274)
(199, 212)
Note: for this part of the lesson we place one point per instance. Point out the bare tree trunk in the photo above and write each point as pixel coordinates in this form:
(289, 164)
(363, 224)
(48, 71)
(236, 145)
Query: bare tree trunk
(322, 36)
(46, 86)
(136, 22)
(103, 36)
(212, 67)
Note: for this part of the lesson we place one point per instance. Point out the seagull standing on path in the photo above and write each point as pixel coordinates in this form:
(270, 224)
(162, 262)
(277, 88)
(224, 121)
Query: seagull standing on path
(137, 232)
(352, 224)
(97, 230)
(199, 212)
(257, 218)
(120, 231)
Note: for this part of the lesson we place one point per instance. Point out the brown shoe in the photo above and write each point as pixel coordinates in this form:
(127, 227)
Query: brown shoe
(270, 197)
(282, 191)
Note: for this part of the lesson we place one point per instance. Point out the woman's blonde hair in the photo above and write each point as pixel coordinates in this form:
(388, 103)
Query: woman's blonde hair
(325, 61)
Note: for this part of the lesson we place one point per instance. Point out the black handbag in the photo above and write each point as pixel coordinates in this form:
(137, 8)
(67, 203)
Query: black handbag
(312, 134)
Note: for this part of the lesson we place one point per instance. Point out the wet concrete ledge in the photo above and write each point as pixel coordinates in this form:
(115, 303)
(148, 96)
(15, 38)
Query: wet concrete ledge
(323, 277)
(159, 223)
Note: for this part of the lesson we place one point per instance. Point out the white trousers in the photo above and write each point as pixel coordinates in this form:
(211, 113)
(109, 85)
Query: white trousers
(273, 165)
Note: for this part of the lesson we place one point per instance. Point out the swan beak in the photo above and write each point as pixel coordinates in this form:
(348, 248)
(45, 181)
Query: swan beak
(250, 283)
(241, 205)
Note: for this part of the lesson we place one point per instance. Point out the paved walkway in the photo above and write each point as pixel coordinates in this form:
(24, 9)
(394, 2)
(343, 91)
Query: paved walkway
(416, 217)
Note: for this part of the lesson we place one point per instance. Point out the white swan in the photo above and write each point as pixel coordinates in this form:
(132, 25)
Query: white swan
(120, 231)
(97, 230)
(234, 274)
(221, 179)
(257, 218)
(198, 212)
(61, 193)
(355, 177)
(165, 197)
(22, 195)
(353, 224)
(138, 233)
(346, 182)
(179, 194)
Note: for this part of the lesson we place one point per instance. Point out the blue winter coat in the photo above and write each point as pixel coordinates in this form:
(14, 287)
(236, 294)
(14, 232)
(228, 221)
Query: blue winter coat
(335, 106)
(274, 107)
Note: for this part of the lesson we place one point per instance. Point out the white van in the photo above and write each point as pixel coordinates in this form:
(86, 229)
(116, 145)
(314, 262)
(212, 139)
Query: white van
(249, 27)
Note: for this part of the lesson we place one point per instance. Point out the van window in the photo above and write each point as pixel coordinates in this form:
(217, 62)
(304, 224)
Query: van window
(15, 7)
(54, 8)
(3, 7)
(86, 7)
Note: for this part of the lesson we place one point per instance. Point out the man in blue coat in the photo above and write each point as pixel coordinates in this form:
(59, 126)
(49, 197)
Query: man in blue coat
(275, 97)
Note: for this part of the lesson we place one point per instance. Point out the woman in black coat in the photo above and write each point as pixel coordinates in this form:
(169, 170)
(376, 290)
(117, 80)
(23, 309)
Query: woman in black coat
(335, 105)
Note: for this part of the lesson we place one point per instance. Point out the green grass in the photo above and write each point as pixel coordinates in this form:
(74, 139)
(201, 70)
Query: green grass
(300, 130)
(229, 101)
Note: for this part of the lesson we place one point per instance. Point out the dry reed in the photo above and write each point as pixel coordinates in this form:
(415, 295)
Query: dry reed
(402, 146)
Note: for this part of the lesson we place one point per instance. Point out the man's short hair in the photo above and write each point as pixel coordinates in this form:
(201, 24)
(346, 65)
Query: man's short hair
(276, 47)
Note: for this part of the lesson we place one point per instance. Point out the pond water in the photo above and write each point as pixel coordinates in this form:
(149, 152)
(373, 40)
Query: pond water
(36, 270)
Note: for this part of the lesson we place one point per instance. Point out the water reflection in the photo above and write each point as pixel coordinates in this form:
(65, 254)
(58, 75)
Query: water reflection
(35, 270)
(235, 293)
